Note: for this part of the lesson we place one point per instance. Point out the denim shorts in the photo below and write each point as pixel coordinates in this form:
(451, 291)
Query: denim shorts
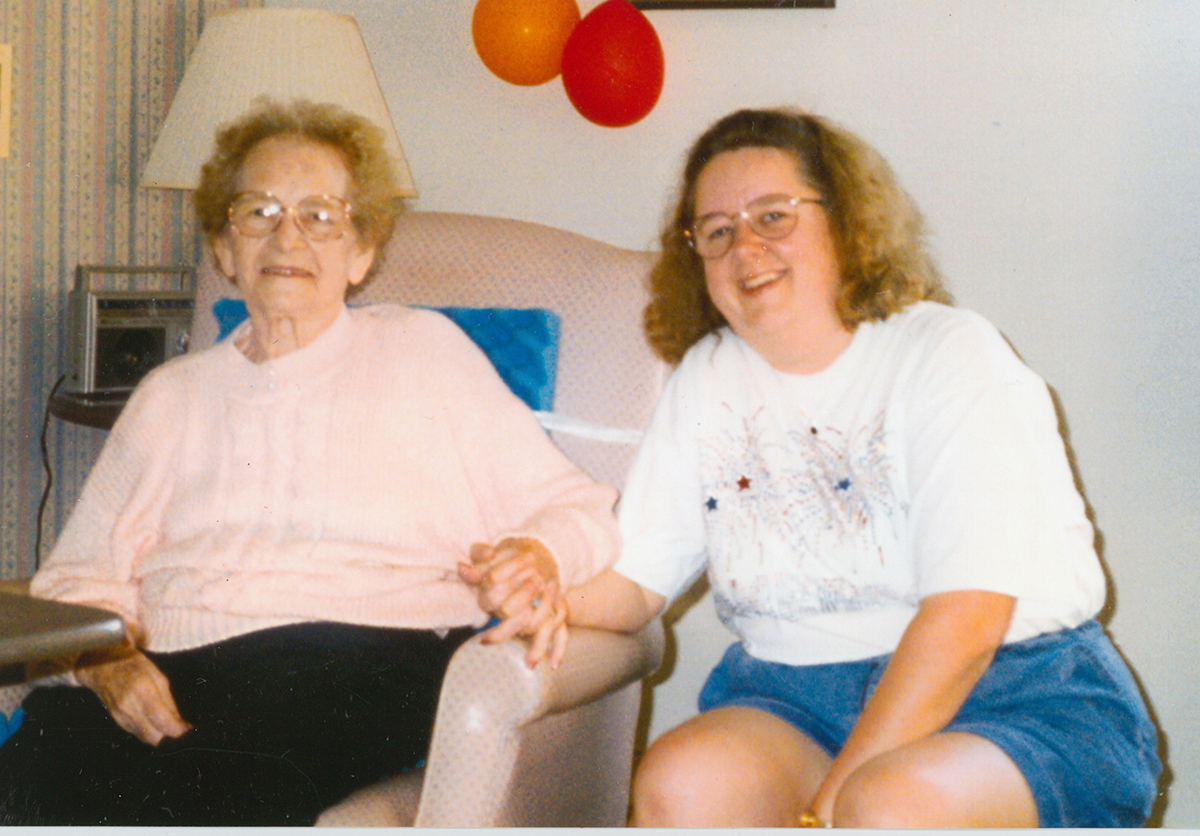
(1063, 706)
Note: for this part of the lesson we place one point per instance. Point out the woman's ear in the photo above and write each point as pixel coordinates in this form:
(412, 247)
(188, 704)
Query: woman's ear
(361, 264)
(222, 249)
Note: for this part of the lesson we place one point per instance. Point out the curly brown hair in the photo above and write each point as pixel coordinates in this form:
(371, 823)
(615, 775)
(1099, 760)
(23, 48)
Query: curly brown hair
(374, 205)
(878, 232)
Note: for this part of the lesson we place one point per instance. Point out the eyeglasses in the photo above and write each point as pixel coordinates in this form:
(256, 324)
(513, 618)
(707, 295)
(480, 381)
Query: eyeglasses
(772, 216)
(258, 214)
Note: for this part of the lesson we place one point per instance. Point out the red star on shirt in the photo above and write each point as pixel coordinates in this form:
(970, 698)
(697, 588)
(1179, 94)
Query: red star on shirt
(743, 484)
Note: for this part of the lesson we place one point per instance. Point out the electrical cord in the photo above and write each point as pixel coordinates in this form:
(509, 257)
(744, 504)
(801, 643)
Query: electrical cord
(37, 547)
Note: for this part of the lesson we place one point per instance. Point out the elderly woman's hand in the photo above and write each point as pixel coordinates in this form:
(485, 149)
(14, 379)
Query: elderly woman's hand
(517, 581)
(135, 692)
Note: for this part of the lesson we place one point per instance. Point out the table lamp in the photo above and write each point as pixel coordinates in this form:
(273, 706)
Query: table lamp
(284, 54)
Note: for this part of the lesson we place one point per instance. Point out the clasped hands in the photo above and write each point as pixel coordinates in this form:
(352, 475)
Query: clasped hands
(517, 582)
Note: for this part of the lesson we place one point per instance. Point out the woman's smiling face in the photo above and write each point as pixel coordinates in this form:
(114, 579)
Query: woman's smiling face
(284, 274)
(771, 292)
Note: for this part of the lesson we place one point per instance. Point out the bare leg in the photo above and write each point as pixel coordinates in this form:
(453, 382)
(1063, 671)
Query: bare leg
(731, 766)
(744, 767)
(951, 779)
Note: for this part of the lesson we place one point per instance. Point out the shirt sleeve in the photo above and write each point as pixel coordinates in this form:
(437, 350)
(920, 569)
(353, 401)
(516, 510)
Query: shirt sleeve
(993, 501)
(661, 511)
(120, 512)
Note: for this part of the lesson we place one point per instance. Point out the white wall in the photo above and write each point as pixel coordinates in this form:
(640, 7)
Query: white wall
(1053, 147)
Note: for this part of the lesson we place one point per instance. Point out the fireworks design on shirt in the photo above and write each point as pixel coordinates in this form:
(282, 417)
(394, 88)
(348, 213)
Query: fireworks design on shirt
(796, 522)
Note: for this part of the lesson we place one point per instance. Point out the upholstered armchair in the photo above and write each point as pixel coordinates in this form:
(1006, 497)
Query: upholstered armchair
(514, 746)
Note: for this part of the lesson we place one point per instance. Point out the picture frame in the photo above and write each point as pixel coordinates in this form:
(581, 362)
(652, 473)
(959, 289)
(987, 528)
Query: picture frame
(6, 73)
(649, 5)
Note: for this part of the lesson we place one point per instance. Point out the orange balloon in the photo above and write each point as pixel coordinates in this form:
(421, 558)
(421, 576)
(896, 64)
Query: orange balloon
(522, 41)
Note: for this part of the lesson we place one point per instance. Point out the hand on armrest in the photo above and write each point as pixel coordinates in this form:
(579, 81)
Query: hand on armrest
(507, 581)
(517, 582)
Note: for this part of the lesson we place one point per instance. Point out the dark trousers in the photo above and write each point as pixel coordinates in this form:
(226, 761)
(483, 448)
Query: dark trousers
(286, 722)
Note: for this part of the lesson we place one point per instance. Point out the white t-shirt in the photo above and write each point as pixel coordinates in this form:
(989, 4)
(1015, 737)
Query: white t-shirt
(925, 459)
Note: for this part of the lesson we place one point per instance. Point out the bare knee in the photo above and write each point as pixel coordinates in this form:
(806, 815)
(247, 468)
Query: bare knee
(949, 780)
(879, 794)
(672, 778)
(729, 767)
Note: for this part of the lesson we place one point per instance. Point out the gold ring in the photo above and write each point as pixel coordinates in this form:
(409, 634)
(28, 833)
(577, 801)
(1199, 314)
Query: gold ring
(809, 819)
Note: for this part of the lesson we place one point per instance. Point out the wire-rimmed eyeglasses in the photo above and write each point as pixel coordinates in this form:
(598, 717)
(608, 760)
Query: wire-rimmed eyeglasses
(771, 216)
(320, 217)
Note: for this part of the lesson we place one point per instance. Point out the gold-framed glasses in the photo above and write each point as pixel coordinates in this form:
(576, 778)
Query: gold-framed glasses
(320, 217)
(771, 216)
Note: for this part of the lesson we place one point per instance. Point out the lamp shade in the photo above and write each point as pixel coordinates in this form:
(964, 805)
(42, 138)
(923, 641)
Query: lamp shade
(284, 54)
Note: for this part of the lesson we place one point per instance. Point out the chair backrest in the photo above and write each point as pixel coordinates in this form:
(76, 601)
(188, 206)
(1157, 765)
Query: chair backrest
(607, 374)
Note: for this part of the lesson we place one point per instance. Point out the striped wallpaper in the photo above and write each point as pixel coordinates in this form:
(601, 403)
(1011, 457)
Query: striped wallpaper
(92, 81)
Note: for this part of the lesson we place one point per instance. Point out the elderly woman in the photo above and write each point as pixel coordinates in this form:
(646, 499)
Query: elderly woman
(279, 520)
(878, 490)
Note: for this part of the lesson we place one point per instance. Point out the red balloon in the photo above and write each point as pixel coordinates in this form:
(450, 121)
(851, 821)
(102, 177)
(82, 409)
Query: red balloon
(522, 41)
(612, 65)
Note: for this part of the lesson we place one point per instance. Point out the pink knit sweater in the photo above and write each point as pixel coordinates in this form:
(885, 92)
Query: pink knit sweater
(342, 482)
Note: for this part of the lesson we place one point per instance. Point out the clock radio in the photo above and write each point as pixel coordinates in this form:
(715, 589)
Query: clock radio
(124, 321)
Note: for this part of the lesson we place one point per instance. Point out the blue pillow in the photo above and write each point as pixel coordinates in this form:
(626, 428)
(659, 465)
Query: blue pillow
(229, 313)
(9, 725)
(522, 343)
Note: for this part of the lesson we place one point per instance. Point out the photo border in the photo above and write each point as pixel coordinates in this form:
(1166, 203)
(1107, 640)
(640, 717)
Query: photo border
(653, 5)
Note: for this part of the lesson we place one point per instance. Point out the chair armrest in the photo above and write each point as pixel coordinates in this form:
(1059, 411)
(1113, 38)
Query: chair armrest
(13, 688)
(15, 586)
(489, 696)
(598, 662)
(17, 679)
